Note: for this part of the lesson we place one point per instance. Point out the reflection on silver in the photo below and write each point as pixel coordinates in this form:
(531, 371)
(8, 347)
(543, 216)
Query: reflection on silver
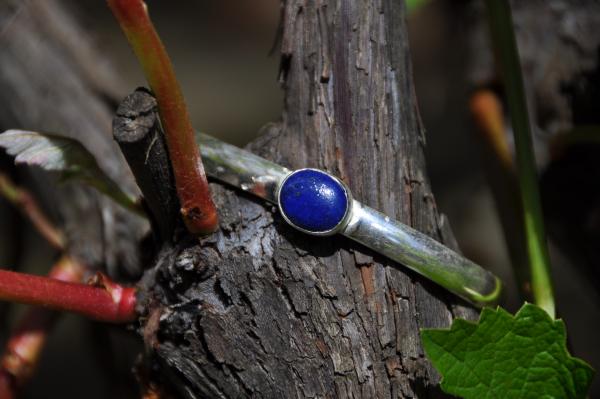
(240, 168)
(422, 254)
(365, 225)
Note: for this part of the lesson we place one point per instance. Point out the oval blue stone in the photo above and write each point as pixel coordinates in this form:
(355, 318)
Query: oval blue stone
(313, 200)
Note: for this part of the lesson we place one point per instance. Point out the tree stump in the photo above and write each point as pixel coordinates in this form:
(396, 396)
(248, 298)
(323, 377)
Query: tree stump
(261, 310)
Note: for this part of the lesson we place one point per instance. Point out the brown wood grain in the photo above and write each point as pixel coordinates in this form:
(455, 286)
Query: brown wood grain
(266, 311)
(258, 309)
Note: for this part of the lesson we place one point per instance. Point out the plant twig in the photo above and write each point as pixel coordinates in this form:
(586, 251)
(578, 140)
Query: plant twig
(503, 36)
(197, 207)
(7, 388)
(486, 109)
(24, 201)
(102, 299)
(25, 345)
(137, 130)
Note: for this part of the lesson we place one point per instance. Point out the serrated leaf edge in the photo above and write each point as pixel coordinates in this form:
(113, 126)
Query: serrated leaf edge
(487, 312)
(96, 178)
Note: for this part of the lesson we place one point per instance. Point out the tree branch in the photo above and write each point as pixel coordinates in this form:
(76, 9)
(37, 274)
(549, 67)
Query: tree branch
(23, 201)
(197, 207)
(103, 300)
(25, 345)
(137, 130)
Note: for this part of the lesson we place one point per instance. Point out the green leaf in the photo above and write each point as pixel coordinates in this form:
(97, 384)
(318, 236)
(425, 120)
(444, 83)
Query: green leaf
(414, 5)
(506, 356)
(66, 156)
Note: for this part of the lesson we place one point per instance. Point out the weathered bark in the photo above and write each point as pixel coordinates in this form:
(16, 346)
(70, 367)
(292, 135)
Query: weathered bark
(136, 129)
(261, 310)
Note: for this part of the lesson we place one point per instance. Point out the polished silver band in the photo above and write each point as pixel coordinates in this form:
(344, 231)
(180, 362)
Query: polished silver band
(365, 225)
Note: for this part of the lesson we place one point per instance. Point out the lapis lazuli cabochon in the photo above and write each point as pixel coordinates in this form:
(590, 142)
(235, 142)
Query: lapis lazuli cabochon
(313, 200)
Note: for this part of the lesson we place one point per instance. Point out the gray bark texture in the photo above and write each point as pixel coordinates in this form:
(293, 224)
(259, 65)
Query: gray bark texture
(258, 309)
(261, 310)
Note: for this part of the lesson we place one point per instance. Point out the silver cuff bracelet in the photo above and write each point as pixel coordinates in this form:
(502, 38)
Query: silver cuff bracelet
(317, 203)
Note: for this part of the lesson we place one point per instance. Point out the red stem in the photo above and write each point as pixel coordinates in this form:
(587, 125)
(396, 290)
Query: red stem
(104, 301)
(198, 210)
(21, 199)
(7, 387)
(24, 346)
(486, 109)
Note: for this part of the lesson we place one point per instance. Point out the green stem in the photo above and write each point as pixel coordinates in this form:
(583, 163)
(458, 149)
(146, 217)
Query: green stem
(508, 57)
(499, 165)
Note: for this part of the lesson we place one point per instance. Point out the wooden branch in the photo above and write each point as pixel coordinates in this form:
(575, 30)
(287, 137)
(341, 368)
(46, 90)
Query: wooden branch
(137, 130)
(102, 299)
(197, 207)
(263, 310)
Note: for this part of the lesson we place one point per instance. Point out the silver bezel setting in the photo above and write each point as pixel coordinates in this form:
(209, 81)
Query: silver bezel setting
(338, 227)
